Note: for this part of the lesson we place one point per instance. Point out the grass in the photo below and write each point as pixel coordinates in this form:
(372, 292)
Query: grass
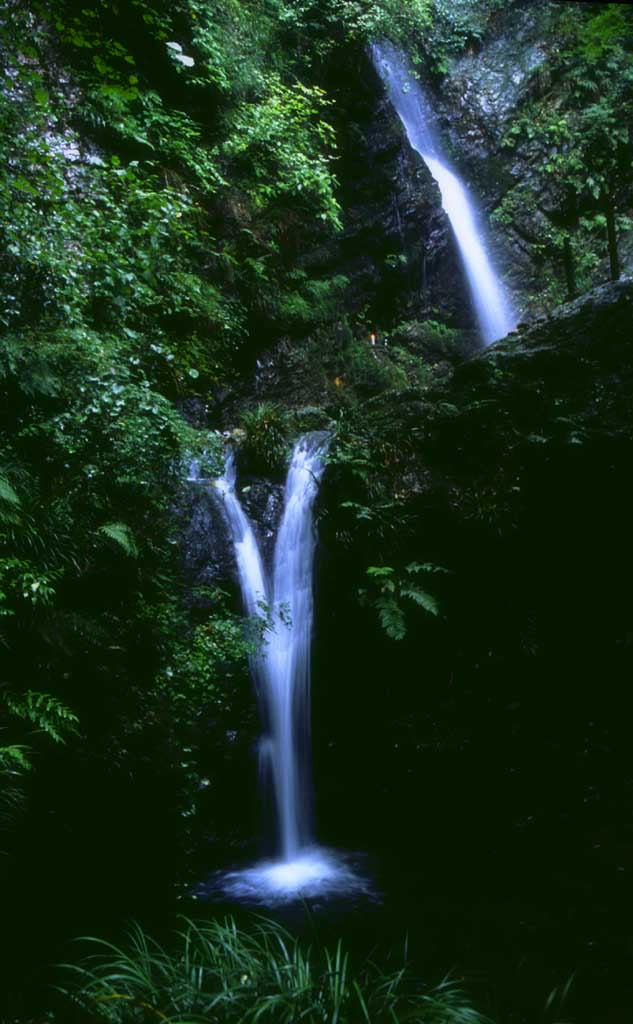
(217, 972)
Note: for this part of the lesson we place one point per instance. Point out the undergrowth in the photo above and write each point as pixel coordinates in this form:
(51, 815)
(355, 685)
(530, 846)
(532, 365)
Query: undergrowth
(220, 972)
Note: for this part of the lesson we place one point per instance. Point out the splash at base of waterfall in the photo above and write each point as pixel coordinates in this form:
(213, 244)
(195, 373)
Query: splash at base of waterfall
(314, 873)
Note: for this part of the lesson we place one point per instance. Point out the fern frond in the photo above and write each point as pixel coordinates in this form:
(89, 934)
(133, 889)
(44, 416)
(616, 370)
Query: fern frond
(121, 535)
(391, 617)
(14, 759)
(7, 493)
(429, 567)
(421, 598)
(12, 799)
(46, 713)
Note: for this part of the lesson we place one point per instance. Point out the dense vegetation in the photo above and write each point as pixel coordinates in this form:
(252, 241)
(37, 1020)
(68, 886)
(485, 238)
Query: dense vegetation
(575, 133)
(220, 972)
(173, 205)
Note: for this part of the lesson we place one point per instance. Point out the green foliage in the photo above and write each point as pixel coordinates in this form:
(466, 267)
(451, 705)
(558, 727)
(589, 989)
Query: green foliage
(122, 536)
(574, 135)
(431, 30)
(7, 495)
(48, 717)
(604, 33)
(390, 587)
(86, 440)
(266, 442)
(45, 713)
(308, 418)
(286, 144)
(368, 371)
(310, 303)
(368, 466)
(427, 337)
(415, 371)
(14, 759)
(219, 971)
(161, 163)
(456, 24)
(195, 667)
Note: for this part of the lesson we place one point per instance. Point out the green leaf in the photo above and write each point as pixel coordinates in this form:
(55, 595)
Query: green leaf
(7, 493)
(429, 567)
(46, 713)
(14, 758)
(421, 598)
(121, 535)
(391, 618)
(23, 185)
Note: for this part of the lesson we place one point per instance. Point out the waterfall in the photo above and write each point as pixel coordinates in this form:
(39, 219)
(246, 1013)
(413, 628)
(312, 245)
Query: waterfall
(287, 653)
(247, 556)
(281, 672)
(282, 669)
(492, 307)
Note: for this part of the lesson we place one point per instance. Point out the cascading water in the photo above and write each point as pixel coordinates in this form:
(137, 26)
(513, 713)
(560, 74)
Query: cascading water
(249, 562)
(493, 309)
(288, 650)
(282, 676)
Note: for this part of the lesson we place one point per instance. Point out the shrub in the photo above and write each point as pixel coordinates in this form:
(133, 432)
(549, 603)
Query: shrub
(311, 302)
(433, 340)
(368, 373)
(265, 445)
(310, 417)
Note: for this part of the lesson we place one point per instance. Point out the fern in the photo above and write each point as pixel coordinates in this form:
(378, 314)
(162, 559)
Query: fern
(421, 598)
(46, 713)
(9, 505)
(14, 759)
(391, 617)
(430, 567)
(393, 586)
(7, 494)
(121, 535)
(12, 800)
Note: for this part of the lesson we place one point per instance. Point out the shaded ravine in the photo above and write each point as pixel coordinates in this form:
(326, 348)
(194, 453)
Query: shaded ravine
(492, 306)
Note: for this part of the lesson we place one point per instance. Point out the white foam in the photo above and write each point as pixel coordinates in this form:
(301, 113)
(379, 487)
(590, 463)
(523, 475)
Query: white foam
(315, 872)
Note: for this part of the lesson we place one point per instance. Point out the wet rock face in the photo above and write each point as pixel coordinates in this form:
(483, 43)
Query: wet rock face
(208, 556)
(397, 249)
(484, 89)
(263, 501)
(207, 553)
(478, 100)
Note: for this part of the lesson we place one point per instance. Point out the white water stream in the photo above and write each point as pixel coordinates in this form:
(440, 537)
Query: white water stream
(282, 676)
(492, 306)
(287, 652)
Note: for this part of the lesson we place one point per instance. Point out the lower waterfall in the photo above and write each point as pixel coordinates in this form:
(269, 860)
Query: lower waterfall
(281, 673)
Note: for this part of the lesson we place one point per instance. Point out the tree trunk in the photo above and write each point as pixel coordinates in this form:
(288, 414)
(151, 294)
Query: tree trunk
(570, 269)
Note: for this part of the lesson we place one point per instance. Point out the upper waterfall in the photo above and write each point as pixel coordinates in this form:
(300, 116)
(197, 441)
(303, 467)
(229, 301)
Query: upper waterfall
(492, 306)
